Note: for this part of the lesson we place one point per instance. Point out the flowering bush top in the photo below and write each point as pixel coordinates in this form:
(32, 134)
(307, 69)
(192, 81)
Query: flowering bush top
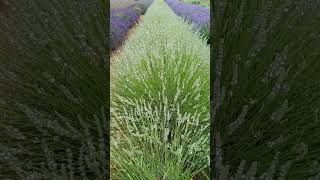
(198, 15)
(120, 22)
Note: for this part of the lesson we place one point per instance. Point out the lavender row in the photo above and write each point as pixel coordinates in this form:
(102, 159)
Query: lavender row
(121, 20)
(197, 15)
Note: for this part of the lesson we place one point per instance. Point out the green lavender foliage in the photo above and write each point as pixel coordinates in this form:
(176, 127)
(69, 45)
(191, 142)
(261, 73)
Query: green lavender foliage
(159, 101)
(205, 3)
(142, 5)
(266, 89)
(119, 4)
(54, 89)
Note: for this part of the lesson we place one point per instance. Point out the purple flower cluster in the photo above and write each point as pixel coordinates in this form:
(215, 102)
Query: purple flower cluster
(121, 20)
(198, 15)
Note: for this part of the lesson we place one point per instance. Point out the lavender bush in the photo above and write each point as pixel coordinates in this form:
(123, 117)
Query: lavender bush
(146, 3)
(121, 20)
(265, 101)
(54, 89)
(199, 16)
(121, 4)
(142, 5)
(159, 101)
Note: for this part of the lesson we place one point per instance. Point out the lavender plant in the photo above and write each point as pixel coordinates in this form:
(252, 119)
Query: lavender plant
(205, 3)
(146, 3)
(159, 101)
(121, 20)
(54, 89)
(199, 16)
(265, 89)
(122, 4)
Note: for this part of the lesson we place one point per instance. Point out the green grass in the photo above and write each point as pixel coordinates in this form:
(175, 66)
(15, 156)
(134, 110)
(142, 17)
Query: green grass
(205, 3)
(119, 4)
(160, 104)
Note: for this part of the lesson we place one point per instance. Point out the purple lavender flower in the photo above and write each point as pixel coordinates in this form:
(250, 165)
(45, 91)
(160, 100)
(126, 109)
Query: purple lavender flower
(121, 20)
(199, 16)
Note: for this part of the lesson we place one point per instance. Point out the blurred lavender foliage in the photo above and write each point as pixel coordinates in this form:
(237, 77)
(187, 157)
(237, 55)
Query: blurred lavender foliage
(54, 75)
(197, 15)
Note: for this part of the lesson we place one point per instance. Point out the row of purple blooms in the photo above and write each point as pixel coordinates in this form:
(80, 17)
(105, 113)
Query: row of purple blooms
(121, 20)
(199, 16)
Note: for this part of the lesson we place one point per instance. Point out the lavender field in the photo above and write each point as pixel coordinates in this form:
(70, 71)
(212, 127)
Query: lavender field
(80, 100)
(125, 14)
(265, 101)
(159, 94)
